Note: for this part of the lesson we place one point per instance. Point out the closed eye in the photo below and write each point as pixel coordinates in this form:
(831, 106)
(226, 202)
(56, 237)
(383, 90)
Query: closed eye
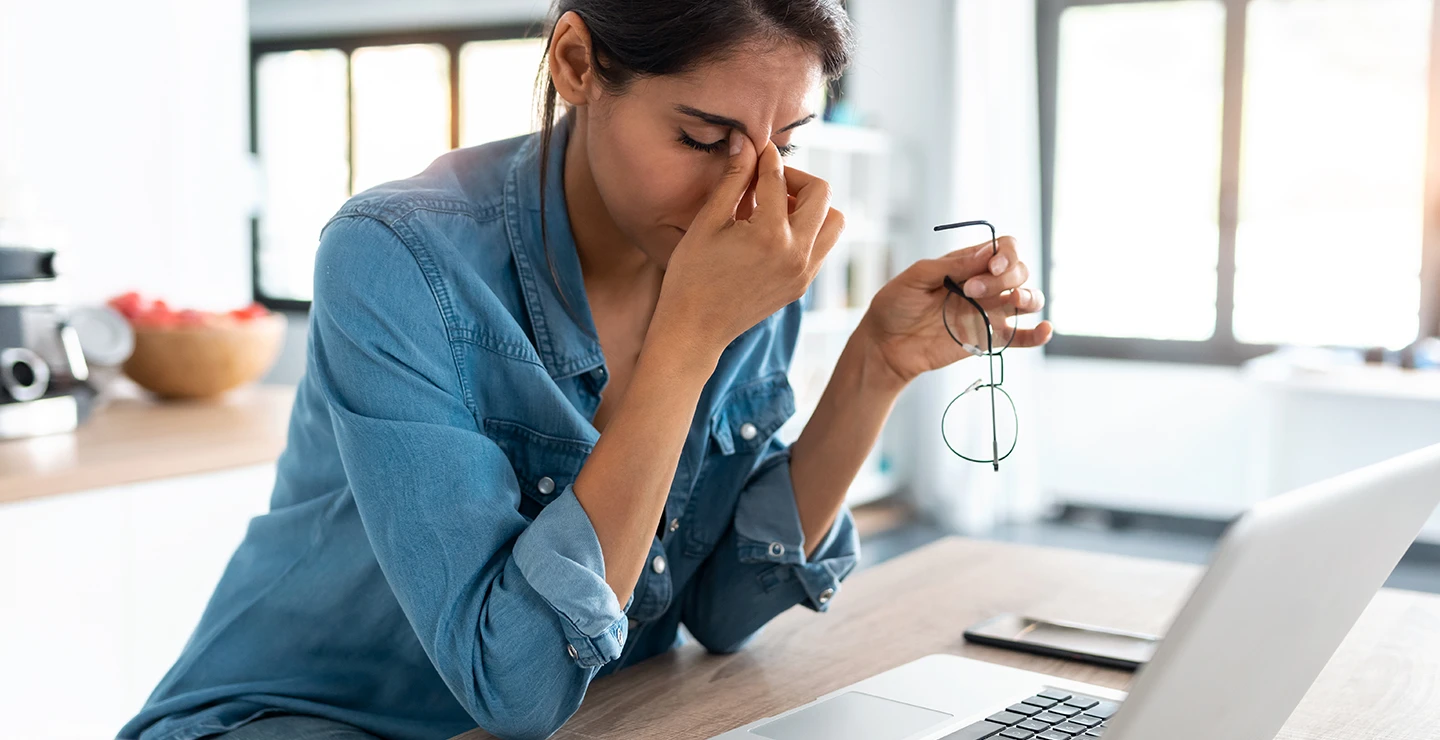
(715, 147)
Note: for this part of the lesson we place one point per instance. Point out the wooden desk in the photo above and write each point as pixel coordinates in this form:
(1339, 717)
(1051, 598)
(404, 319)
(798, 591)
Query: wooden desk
(136, 438)
(1384, 683)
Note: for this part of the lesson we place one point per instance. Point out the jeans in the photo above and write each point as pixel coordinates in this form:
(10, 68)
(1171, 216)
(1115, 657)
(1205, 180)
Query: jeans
(296, 727)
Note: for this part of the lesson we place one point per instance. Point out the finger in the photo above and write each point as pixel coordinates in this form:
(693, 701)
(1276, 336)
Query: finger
(770, 203)
(984, 285)
(957, 265)
(1003, 254)
(739, 170)
(790, 201)
(1032, 337)
(812, 202)
(1026, 300)
(825, 240)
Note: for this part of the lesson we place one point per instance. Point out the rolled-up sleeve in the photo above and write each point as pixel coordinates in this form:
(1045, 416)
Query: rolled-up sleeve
(514, 614)
(760, 567)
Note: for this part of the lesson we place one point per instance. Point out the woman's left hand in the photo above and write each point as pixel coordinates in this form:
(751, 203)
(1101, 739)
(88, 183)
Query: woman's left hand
(904, 323)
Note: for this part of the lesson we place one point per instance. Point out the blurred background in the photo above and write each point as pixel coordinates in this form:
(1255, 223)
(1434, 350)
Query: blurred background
(1234, 206)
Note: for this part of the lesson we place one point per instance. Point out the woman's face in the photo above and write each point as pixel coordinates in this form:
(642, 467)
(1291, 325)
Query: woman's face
(658, 149)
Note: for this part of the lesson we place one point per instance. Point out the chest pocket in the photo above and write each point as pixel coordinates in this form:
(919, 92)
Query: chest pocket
(544, 464)
(741, 427)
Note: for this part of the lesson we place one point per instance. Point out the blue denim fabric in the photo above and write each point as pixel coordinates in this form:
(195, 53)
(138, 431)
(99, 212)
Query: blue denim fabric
(425, 566)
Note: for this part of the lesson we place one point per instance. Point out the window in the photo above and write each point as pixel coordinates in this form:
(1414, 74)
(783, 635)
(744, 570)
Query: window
(1223, 176)
(333, 117)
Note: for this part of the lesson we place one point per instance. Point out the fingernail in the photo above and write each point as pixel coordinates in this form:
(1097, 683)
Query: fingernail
(735, 143)
(974, 288)
(998, 264)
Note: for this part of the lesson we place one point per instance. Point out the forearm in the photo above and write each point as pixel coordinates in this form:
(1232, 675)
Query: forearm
(839, 435)
(624, 483)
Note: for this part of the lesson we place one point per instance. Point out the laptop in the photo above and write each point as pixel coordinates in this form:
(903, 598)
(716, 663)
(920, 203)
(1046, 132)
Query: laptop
(1284, 586)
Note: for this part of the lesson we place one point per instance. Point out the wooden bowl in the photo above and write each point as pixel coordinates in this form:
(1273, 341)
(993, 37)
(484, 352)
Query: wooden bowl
(204, 361)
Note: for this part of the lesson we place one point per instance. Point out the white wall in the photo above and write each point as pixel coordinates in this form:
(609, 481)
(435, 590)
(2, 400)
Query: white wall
(123, 142)
(1211, 441)
(1146, 436)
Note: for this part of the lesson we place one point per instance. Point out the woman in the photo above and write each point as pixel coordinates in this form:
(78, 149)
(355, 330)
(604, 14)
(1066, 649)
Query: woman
(529, 447)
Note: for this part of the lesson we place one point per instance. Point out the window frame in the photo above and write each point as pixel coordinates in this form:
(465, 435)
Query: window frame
(1222, 348)
(450, 38)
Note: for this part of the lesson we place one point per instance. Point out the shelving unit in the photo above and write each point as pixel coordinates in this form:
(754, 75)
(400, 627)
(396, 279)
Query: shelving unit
(856, 162)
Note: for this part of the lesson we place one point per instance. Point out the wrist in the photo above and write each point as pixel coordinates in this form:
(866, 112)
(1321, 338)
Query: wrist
(679, 350)
(864, 357)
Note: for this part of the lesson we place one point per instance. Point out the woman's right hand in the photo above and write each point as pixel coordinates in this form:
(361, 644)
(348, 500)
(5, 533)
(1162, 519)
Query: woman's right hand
(727, 275)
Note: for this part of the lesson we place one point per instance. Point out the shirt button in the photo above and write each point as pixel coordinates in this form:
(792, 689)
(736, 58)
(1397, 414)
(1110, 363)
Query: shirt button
(748, 431)
(597, 373)
(658, 564)
(574, 654)
(776, 549)
(826, 595)
(546, 485)
(674, 524)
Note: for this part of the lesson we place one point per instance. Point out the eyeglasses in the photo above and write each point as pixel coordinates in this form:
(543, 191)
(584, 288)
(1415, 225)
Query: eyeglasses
(980, 398)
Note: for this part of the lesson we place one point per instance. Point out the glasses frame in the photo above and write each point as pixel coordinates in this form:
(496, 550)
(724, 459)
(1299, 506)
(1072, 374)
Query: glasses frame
(988, 351)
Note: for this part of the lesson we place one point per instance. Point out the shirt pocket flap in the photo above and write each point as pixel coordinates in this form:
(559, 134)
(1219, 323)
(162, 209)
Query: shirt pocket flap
(750, 414)
(544, 464)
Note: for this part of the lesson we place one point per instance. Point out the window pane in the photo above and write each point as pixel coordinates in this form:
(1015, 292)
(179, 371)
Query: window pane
(497, 85)
(300, 134)
(402, 110)
(1137, 169)
(1332, 172)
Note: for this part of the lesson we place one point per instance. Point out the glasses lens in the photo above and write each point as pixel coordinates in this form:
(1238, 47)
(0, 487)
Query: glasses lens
(967, 325)
(967, 423)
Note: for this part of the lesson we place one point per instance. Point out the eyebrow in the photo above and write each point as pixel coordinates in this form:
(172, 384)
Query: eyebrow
(711, 118)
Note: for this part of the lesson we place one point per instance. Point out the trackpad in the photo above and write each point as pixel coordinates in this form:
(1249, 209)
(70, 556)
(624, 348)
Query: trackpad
(852, 716)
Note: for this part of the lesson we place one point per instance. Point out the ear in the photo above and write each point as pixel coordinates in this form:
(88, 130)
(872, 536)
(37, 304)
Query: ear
(569, 61)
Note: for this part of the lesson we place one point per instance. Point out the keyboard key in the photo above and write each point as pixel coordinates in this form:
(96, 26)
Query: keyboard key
(978, 731)
(1095, 732)
(1086, 720)
(1033, 726)
(1103, 710)
(1016, 734)
(1024, 709)
(1070, 728)
(1055, 694)
(1052, 735)
(1065, 711)
(1082, 702)
(1040, 701)
(1006, 718)
(1049, 718)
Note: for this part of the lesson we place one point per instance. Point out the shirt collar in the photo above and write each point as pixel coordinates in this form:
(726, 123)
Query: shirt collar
(565, 336)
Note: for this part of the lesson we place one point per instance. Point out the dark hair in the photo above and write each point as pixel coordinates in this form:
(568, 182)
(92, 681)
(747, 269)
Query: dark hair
(630, 39)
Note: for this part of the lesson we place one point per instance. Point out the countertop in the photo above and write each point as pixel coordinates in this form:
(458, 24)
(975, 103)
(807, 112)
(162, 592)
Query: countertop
(133, 438)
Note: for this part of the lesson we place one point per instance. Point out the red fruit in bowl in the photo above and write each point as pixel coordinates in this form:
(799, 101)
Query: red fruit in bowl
(252, 311)
(129, 304)
(191, 317)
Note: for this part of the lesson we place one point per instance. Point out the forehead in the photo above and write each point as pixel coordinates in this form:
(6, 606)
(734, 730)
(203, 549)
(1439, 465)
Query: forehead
(759, 83)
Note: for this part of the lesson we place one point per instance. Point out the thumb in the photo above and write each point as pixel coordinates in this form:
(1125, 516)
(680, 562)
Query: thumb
(739, 170)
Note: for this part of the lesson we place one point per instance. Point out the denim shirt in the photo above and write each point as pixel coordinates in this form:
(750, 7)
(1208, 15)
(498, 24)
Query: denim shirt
(425, 565)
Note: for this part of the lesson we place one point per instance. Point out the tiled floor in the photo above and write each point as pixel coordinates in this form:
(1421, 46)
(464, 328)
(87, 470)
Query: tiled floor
(1145, 537)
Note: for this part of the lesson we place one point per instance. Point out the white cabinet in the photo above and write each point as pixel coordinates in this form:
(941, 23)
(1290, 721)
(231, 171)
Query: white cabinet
(99, 591)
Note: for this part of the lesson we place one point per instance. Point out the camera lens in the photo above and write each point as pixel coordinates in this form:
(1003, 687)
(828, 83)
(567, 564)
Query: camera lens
(23, 374)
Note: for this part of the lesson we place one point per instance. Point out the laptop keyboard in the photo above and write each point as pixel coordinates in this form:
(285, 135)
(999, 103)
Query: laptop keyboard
(1049, 715)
